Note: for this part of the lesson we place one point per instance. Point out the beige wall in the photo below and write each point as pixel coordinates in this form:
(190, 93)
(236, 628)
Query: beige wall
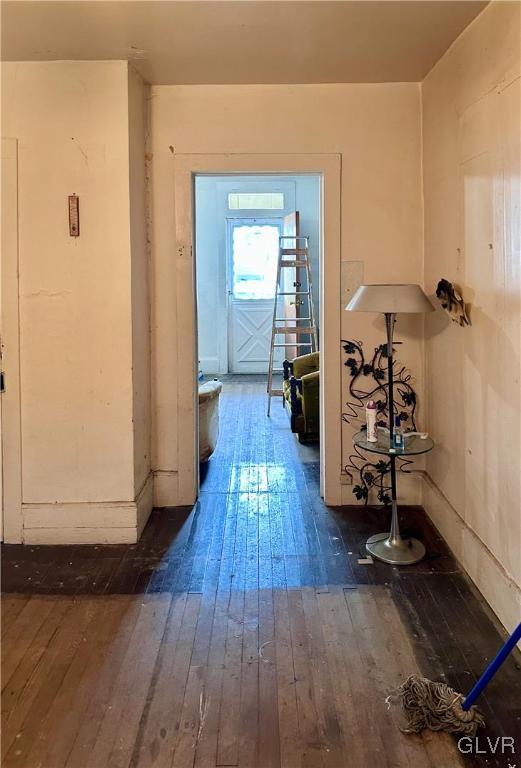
(471, 128)
(76, 340)
(375, 128)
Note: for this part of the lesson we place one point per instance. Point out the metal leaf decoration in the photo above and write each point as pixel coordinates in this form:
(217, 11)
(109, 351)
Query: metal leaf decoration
(368, 381)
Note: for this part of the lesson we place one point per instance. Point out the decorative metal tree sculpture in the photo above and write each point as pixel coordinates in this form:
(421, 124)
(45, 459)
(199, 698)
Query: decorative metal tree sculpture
(368, 381)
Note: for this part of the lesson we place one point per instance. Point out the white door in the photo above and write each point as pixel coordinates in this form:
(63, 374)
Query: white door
(253, 248)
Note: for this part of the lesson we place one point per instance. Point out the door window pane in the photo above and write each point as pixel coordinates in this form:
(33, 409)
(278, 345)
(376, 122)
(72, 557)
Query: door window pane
(255, 251)
(256, 201)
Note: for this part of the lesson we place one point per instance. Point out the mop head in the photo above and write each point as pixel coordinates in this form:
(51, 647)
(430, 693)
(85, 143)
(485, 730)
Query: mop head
(436, 706)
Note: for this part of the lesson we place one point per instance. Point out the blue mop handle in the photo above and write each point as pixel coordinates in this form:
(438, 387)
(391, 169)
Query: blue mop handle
(492, 668)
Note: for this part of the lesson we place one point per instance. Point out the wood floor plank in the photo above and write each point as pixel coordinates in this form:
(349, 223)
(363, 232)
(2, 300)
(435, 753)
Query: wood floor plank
(23, 630)
(312, 747)
(20, 681)
(339, 655)
(289, 739)
(383, 654)
(159, 732)
(81, 682)
(248, 737)
(362, 693)
(268, 724)
(229, 719)
(195, 704)
(25, 724)
(329, 730)
(109, 668)
(399, 658)
(115, 740)
(210, 700)
(10, 608)
(378, 677)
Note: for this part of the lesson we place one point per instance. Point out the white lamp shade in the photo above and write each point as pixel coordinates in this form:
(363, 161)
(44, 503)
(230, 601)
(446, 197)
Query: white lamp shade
(390, 298)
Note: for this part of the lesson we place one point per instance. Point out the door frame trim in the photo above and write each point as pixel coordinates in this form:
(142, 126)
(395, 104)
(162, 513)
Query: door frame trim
(11, 410)
(186, 167)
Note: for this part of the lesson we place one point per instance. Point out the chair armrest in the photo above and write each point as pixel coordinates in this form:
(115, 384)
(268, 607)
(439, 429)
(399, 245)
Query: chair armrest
(305, 364)
(310, 383)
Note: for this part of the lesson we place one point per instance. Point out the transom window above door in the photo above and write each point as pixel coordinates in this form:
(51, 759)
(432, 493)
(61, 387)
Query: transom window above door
(255, 249)
(256, 201)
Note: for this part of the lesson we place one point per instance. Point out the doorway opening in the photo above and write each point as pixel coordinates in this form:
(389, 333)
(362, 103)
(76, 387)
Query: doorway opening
(239, 228)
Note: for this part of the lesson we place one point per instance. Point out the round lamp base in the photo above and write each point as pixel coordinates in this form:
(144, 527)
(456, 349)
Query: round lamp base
(397, 552)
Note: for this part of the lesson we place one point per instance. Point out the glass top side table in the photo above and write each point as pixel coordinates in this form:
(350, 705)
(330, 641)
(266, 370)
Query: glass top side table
(391, 547)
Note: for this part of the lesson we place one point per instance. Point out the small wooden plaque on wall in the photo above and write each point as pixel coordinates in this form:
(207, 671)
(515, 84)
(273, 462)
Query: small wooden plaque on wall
(74, 216)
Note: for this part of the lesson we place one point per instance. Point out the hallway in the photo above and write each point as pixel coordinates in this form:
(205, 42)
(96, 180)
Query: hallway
(243, 632)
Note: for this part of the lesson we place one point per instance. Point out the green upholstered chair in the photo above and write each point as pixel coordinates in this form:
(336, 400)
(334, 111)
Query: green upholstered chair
(301, 387)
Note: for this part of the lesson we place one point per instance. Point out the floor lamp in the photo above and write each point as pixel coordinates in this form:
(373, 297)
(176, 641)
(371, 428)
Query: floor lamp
(389, 300)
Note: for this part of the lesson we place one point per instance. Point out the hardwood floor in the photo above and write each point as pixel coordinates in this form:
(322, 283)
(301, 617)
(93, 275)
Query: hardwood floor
(242, 632)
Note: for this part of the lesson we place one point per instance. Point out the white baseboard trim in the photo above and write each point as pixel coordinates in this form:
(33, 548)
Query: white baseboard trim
(499, 590)
(144, 504)
(107, 522)
(209, 365)
(166, 488)
(83, 535)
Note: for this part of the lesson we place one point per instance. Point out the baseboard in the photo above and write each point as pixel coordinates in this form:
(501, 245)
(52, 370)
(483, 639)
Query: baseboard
(108, 522)
(166, 488)
(499, 590)
(83, 535)
(144, 504)
(209, 364)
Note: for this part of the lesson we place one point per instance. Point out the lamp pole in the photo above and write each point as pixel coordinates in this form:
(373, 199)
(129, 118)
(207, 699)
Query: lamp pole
(394, 536)
(390, 318)
(390, 547)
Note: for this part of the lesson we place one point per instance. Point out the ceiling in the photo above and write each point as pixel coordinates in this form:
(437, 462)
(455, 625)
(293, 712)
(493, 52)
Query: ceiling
(245, 41)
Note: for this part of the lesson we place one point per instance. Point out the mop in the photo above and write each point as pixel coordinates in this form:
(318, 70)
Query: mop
(438, 707)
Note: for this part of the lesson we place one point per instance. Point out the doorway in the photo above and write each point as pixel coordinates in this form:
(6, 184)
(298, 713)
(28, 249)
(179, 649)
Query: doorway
(189, 297)
(242, 226)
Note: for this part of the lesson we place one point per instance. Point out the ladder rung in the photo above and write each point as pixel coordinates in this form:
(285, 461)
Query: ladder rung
(294, 293)
(291, 319)
(287, 329)
(275, 392)
(277, 370)
(293, 237)
(293, 251)
(293, 263)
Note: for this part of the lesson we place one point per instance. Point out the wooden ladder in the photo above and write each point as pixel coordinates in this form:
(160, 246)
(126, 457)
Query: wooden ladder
(297, 259)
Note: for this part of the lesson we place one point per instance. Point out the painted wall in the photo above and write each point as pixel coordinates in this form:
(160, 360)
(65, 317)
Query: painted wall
(376, 129)
(76, 335)
(300, 192)
(471, 125)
